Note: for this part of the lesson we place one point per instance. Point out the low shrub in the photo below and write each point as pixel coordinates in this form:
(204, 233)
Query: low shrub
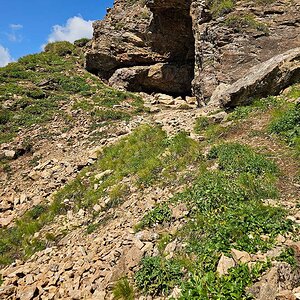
(123, 290)
(81, 42)
(61, 48)
(157, 276)
(158, 215)
(220, 7)
(201, 124)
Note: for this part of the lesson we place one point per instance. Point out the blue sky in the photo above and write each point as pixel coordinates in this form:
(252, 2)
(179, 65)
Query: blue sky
(27, 25)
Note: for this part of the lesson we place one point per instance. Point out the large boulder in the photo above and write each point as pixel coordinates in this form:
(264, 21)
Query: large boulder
(162, 77)
(267, 78)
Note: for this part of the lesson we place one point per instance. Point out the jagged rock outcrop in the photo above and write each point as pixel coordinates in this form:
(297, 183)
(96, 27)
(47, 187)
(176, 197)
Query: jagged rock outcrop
(153, 46)
(203, 45)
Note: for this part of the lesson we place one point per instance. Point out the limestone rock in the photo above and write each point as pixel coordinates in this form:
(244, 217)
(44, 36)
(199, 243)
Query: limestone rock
(9, 154)
(103, 174)
(240, 256)
(267, 78)
(225, 263)
(285, 295)
(135, 40)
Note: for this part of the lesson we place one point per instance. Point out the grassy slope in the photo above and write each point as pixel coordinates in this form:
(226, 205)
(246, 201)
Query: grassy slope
(41, 86)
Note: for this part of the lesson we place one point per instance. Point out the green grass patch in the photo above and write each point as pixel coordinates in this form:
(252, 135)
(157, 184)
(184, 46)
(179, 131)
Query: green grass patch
(201, 124)
(123, 290)
(234, 157)
(286, 123)
(38, 85)
(220, 7)
(158, 215)
(294, 91)
(61, 48)
(157, 276)
(17, 242)
(241, 22)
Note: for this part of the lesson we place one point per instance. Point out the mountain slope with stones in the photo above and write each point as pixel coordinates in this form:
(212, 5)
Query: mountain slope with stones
(108, 194)
(89, 248)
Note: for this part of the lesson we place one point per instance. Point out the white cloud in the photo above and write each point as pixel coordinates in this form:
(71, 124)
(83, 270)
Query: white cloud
(75, 28)
(5, 57)
(16, 26)
(13, 35)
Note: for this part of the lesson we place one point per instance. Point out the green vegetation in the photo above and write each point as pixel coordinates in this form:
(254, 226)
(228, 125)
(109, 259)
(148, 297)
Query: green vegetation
(201, 124)
(286, 123)
(145, 156)
(220, 7)
(17, 242)
(240, 22)
(122, 290)
(234, 157)
(293, 91)
(157, 276)
(158, 215)
(288, 255)
(61, 48)
(34, 89)
(81, 42)
(226, 211)
(210, 286)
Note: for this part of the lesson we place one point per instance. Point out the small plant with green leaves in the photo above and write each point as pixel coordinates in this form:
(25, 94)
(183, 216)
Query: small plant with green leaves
(240, 112)
(286, 123)
(210, 286)
(158, 215)
(201, 124)
(288, 256)
(158, 276)
(123, 290)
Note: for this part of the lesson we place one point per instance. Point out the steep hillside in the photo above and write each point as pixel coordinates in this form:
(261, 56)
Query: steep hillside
(108, 194)
(51, 109)
(168, 209)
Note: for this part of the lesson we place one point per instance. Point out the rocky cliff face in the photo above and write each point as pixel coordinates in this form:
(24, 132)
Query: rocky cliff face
(182, 47)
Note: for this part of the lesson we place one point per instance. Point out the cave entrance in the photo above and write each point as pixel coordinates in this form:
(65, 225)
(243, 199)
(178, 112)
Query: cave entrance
(171, 35)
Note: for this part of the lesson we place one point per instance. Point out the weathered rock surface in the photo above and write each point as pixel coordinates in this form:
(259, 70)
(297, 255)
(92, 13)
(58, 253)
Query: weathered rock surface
(145, 48)
(186, 36)
(225, 263)
(277, 283)
(268, 78)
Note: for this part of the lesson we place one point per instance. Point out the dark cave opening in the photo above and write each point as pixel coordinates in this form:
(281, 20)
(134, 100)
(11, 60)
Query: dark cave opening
(171, 35)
